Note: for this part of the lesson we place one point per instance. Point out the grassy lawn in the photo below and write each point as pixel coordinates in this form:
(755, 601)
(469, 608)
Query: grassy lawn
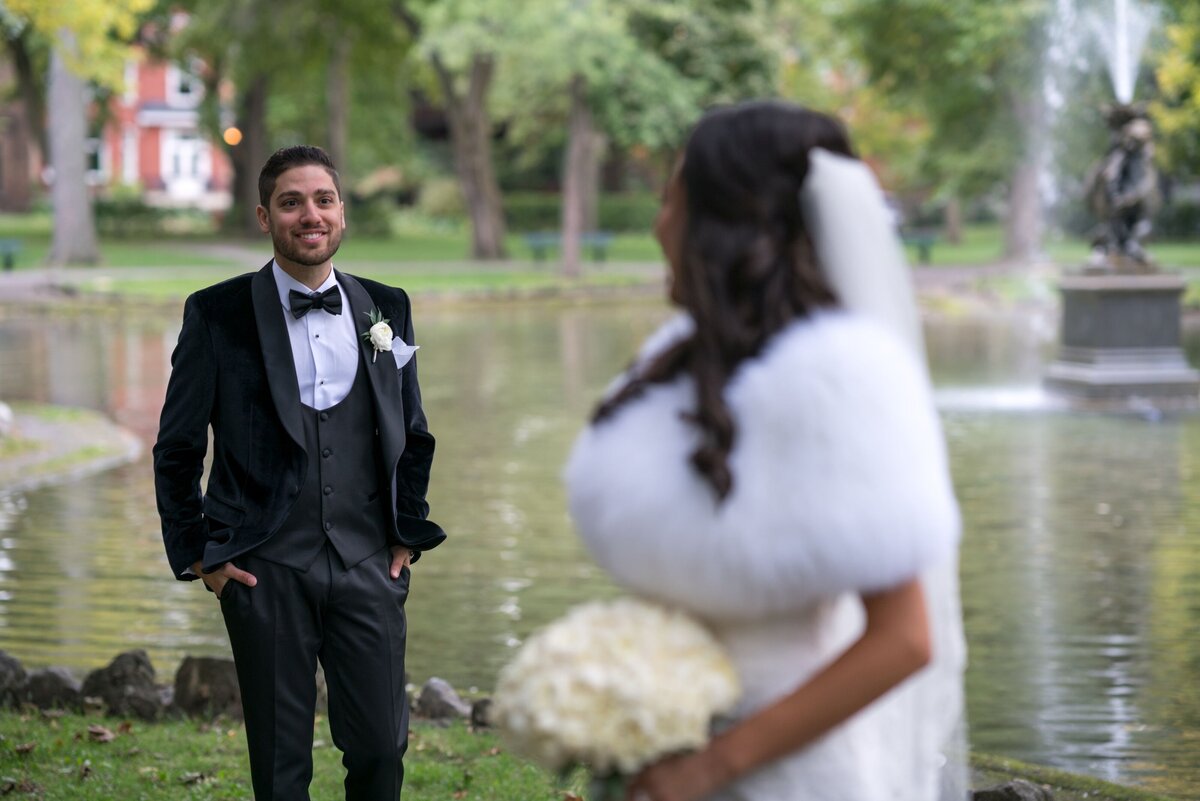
(67, 757)
(428, 259)
(91, 758)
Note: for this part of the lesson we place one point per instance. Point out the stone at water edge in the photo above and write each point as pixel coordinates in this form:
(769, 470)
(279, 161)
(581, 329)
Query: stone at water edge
(1015, 790)
(438, 700)
(126, 686)
(52, 688)
(207, 687)
(12, 680)
(481, 712)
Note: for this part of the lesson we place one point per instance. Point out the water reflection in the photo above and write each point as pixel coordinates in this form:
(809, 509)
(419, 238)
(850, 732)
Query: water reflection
(1081, 571)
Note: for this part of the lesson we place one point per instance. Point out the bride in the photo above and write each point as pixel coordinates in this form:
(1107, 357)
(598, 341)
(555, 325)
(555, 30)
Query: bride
(773, 463)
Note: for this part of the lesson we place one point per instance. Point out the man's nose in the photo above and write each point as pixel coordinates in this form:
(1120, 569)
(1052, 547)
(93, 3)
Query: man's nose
(309, 212)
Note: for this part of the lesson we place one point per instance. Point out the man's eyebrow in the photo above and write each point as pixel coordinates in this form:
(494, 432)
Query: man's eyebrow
(297, 193)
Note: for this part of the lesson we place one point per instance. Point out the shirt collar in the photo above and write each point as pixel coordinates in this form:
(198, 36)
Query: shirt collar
(284, 283)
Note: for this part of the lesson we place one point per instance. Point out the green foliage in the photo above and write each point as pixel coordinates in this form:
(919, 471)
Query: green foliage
(442, 199)
(971, 69)
(101, 30)
(124, 213)
(650, 66)
(1176, 112)
(370, 217)
(632, 212)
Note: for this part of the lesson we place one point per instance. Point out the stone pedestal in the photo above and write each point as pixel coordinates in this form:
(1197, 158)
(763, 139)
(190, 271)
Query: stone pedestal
(1120, 339)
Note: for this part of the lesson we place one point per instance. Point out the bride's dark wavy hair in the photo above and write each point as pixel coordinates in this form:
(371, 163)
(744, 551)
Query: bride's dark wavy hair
(748, 267)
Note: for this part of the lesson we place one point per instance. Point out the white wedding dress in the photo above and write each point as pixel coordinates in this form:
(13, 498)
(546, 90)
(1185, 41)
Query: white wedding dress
(841, 487)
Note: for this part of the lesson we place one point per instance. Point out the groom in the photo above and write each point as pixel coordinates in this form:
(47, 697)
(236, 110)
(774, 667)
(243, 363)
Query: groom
(315, 503)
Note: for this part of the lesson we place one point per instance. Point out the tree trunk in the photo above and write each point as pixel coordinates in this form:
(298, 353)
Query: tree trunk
(248, 157)
(471, 136)
(579, 175)
(953, 221)
(337, 101)
(74, 240)
(593, 180)
(1023, 224)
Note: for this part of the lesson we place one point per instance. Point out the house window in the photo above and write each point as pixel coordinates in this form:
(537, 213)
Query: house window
(184, 89)
(96, 162)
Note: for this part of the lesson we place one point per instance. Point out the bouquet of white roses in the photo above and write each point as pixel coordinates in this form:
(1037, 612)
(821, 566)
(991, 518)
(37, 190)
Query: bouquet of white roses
(613, 686)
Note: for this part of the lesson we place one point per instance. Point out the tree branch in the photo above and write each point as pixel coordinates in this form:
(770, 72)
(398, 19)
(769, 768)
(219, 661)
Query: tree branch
(406, 16)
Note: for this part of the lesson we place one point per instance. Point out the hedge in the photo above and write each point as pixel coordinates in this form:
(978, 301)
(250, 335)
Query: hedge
(541, 211)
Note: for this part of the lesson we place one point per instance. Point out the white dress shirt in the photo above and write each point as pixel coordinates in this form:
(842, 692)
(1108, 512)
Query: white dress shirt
(325, 347)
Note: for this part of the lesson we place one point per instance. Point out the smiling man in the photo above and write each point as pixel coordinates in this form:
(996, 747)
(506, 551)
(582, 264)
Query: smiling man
(315, 504)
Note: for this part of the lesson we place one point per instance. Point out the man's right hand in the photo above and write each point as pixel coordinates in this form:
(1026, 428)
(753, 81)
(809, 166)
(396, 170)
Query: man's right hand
(224, 574)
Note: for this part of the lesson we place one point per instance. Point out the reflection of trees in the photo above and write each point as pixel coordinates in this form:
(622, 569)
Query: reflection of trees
(506, 392)
(1174, 630)
(989, 350)
(1060, 515)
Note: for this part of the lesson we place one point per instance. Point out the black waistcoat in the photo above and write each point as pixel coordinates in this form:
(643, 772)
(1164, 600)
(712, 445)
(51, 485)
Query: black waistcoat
(342, 498)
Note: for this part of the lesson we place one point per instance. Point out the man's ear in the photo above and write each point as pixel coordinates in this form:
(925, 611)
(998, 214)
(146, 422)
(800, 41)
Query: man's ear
(343, 203)
(264, 219)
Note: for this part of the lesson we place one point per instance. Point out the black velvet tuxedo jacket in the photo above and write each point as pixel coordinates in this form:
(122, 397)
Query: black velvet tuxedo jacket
(233, 371)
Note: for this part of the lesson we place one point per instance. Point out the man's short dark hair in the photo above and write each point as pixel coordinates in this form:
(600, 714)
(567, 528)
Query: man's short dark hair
(284, 159)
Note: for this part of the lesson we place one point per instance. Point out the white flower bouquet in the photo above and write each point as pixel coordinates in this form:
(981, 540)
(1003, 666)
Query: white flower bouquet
(613, 686)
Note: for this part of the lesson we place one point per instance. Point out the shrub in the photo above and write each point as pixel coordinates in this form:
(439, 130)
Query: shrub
(441, 198)
(542, 211)
(370, 216)
(123, 213)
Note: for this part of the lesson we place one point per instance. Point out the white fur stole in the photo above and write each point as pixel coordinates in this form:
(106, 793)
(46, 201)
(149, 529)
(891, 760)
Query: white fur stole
(840, 478)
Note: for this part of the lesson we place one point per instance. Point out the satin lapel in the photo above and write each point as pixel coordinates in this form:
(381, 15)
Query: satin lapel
(277, 353)
(382, 373)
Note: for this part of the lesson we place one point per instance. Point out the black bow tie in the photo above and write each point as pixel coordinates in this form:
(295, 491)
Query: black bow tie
(330, 300)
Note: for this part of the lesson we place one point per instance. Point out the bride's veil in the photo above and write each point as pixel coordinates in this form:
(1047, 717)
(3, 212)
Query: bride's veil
(853, 232)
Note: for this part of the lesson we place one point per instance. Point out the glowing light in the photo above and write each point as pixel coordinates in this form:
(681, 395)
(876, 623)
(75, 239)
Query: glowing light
(232, 136)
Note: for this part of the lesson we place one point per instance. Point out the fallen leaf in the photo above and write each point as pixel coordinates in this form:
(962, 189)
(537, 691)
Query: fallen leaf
(85, 770)
(126, 727)
(24, 748)
(569, 796)
(496, 751)
(191, 778)
(100, 734)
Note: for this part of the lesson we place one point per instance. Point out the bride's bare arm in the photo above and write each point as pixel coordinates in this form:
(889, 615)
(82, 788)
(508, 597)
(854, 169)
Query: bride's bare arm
(894, 645)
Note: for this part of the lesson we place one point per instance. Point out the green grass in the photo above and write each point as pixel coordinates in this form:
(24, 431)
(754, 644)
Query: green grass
(55, 414)
(991, 770)
(55, 756)
(421, 257)
(15, 446)
(202, 762)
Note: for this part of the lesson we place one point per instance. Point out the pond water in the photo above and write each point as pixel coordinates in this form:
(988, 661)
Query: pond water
(1080, 563)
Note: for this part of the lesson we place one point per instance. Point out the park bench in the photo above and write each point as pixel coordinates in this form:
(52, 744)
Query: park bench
(922, 239)
(542, 243)
(9, 248)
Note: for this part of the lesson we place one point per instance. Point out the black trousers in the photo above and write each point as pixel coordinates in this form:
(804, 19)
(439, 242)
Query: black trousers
(352, 620)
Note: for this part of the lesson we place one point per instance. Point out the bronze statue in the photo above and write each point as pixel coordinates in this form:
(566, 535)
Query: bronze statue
(1123, 191)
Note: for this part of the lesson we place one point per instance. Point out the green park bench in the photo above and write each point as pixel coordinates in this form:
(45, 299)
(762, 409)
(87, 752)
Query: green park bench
(9, 248)
(922, 239)
(542, 243)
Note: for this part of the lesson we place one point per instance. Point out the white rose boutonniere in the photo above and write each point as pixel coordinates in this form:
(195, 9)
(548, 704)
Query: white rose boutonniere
(380, 334)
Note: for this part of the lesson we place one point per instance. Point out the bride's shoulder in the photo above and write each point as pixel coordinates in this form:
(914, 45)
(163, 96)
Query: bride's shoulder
(833, 358)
